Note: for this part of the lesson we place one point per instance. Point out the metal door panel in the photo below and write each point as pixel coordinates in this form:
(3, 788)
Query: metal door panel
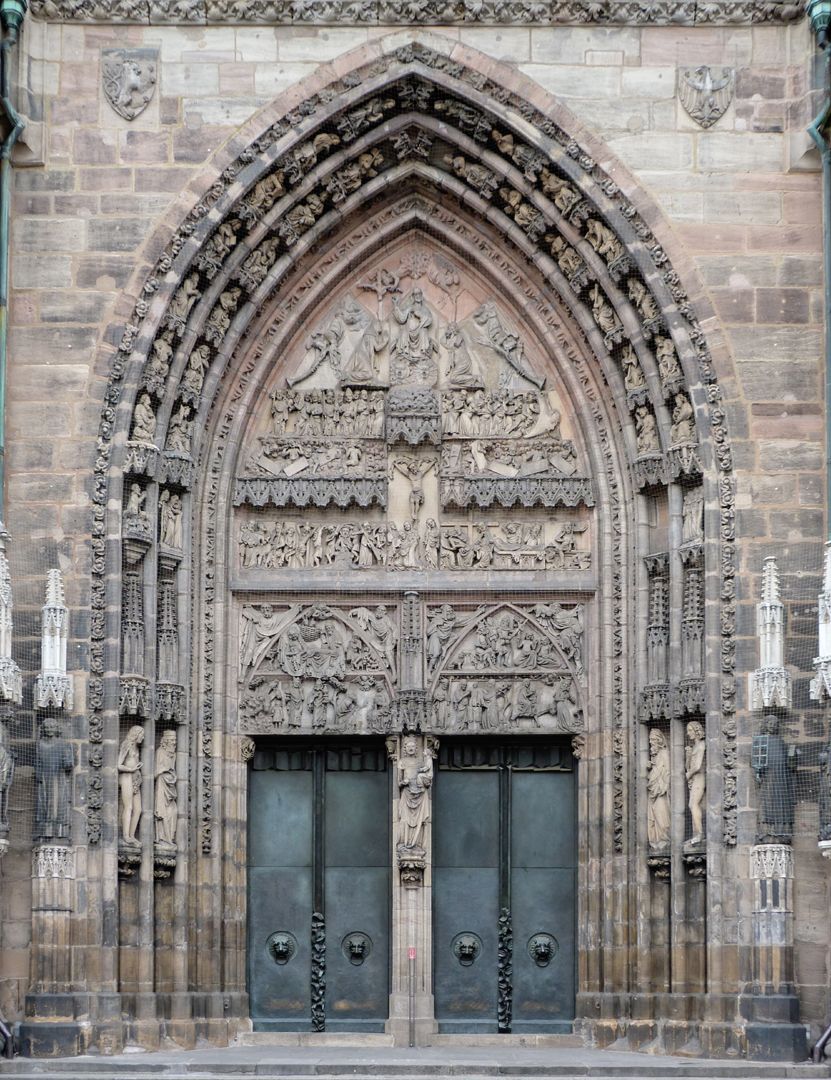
(357, 903)
(357, 819)
(280, 813)
(279, 901)
(542, 899)
(319, 841)
(542, 819)
(542, 904)
(466, 903)
(467, 805)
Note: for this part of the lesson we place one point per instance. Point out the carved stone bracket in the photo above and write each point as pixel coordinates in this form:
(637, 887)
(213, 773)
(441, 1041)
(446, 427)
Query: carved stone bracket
(650, 471)
(411, 864)
(135, 697)
(164, 861)
(657, 703)
(695, 860)
(137, 529)
(320, 492)
(129, 858)
(141, 459)
(660, 866)
(684, 462)
(483, 492)
(135, 548)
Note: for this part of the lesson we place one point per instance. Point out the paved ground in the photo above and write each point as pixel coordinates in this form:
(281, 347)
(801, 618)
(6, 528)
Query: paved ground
(381, 1063)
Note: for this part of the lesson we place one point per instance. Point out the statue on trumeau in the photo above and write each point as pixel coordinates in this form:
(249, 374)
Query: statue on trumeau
(54, 762)
(414, 778)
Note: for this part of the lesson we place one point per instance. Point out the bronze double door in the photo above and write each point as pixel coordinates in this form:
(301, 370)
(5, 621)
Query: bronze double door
(320, 874)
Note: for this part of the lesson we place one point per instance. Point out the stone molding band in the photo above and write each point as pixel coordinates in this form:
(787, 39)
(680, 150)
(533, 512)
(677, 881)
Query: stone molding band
(421, 12)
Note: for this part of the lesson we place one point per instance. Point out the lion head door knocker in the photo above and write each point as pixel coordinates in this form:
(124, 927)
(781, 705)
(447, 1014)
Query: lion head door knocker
(466, 948)
(129, 78)
(281, 946)
(356, 947)
(542, 948)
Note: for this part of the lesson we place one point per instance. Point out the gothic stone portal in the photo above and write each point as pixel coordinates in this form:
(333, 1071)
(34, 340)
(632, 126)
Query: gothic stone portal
(414, 551)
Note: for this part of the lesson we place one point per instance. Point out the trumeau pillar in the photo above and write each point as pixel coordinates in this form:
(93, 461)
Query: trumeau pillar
(411, 998)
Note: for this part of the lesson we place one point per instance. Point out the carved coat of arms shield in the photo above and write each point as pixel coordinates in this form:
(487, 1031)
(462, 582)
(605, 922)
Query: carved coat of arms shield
(129, 77)
(706, 93)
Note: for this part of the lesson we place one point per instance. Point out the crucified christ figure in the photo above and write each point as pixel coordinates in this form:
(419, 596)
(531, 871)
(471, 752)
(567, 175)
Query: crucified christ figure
(414, 469)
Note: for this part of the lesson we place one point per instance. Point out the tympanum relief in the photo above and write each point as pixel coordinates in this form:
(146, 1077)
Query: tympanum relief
(412, 403)
(411, 432)
(331, 668)
(317, 668)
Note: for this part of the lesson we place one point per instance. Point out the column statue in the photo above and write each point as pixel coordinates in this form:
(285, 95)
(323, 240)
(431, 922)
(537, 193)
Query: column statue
(657, 790)
(54, 762)
(165, 809)
(129, 783)
(694, 756)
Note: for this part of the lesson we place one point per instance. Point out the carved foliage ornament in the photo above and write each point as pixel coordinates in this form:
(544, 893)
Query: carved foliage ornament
(706, 93)
(436, 12)
(129, 79)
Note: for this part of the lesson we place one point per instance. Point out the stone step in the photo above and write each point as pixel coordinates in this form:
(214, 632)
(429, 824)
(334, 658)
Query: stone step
(230, 1065)
(382, 1072)
(313, 1038)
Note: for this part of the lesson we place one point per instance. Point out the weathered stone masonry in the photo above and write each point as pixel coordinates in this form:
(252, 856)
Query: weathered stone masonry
(672, 270)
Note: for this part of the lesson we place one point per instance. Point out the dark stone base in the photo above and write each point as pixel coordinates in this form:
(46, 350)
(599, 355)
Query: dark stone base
(773, 1029)
(777, 1042)
(763, 1027)
(66, 1025)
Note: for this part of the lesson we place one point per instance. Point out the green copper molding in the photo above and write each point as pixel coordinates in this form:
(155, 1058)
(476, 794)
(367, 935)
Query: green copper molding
(11, 17)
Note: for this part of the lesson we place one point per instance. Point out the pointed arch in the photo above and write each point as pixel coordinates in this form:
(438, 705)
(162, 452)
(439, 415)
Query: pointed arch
(406, 137)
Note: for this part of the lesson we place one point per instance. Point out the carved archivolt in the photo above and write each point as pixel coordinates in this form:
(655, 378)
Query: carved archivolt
(292, 186)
